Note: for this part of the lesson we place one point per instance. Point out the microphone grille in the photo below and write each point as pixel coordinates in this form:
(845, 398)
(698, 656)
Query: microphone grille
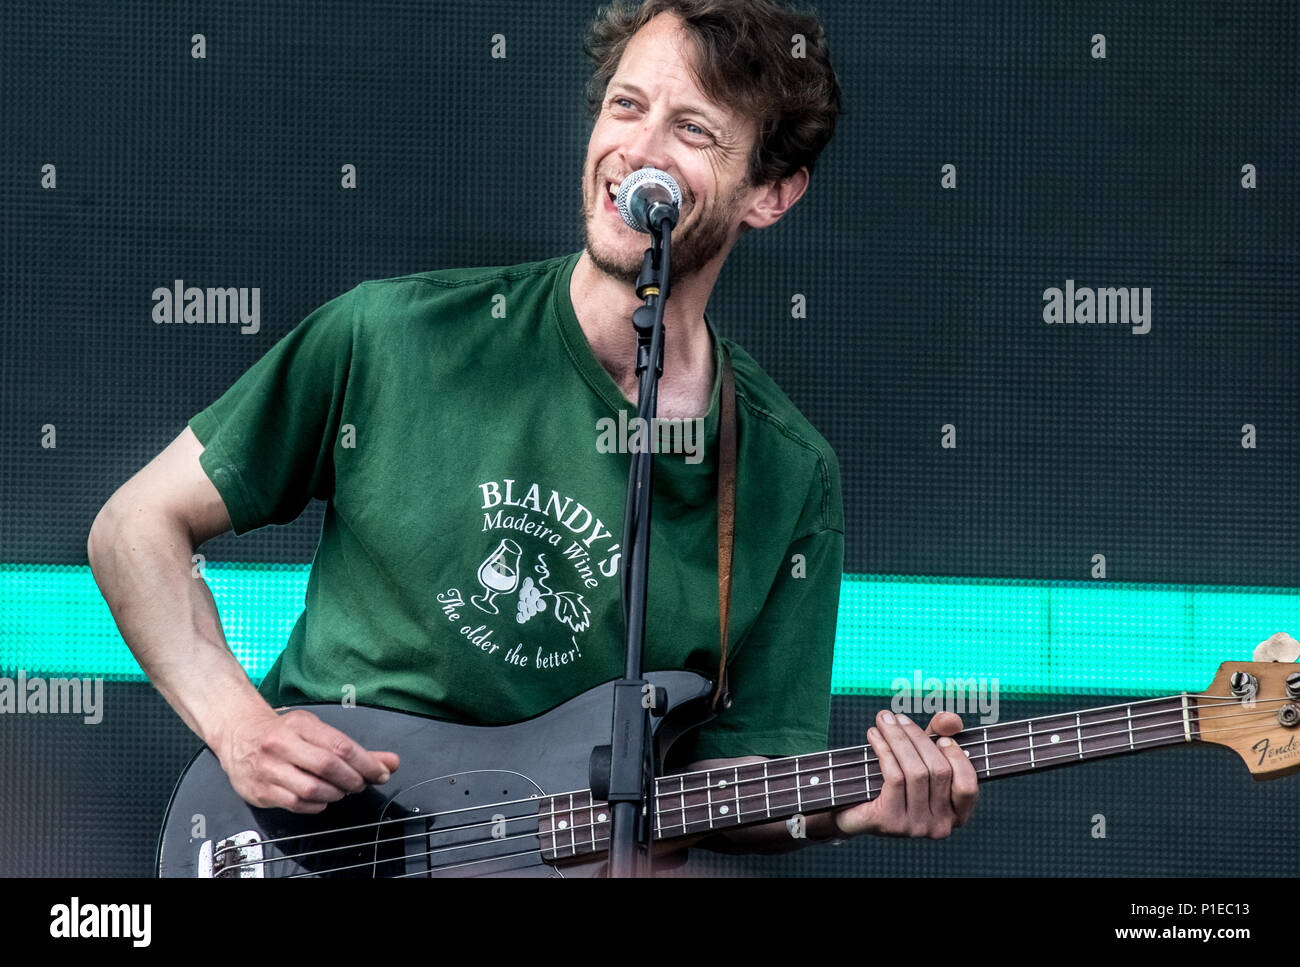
(639, 177)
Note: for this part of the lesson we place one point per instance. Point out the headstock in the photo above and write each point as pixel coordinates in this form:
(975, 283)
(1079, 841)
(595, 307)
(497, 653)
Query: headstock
(1253, 707)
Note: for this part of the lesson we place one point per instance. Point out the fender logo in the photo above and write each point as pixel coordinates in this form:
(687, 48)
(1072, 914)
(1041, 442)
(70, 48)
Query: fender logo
(1265, 752)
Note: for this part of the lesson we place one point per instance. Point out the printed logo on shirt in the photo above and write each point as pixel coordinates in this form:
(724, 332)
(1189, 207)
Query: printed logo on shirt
(535, 579)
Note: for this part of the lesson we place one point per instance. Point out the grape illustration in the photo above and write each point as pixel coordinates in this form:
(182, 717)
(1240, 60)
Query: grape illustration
(530, 601)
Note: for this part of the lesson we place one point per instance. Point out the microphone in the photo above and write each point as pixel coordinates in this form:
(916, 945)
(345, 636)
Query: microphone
(647, 198)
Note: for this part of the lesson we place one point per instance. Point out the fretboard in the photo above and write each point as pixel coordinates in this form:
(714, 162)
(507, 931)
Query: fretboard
(695, 803)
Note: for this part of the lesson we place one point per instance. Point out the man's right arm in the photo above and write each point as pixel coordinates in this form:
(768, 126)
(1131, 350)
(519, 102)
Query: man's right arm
(140, 550)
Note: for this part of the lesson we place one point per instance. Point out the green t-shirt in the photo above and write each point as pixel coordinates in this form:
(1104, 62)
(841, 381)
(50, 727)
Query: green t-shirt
(469, 565)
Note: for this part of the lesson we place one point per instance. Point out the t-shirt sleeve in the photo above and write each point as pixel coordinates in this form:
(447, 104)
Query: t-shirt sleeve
(269, 439)
(781, 675)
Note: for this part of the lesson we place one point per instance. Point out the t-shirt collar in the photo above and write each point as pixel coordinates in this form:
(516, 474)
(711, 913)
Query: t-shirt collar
(598, 378)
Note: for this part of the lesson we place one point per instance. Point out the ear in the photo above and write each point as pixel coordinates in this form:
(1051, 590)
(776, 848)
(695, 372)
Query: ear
(773, 200)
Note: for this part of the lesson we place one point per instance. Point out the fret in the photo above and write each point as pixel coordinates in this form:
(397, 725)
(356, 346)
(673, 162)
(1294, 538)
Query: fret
(573, 841)
(846, 779)
(866, 767)
(554, 843)
(1060, 727)
(723, 810)
(1030, 723)
(748, 808)
(849, 766)
(1098, 742)
(798, 787)
(780, 788)
(767, 793)
(1128, 714)
(1165, 724)
(695, 798)
(1005, 750)
(1187, 725)
(681, 791)
(591, 817)
(815, 781)
(659, 820)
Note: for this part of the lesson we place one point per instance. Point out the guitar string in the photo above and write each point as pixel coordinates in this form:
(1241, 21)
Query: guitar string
(414, 856)
(558, 851)
(594, 806)
(972, 741)
(770, 776)
(682, 776)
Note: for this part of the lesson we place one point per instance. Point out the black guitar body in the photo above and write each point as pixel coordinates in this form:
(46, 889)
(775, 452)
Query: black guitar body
(466, 801)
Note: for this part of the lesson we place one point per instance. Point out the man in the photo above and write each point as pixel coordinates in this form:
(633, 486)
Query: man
(492, 383)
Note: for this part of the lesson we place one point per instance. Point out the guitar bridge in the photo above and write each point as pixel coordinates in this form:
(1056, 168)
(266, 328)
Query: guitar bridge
(237, 857)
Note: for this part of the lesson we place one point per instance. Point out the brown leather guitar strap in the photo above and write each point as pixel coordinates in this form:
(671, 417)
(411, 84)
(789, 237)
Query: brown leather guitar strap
(726, 519)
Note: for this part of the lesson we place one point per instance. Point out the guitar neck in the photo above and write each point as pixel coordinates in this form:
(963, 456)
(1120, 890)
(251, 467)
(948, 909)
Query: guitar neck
(695, 803)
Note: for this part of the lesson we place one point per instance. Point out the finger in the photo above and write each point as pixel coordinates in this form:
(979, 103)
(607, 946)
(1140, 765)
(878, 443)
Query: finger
(939, 774)
(916, 774)
(299, 791)
(360, 761)
(325, 762)
(965, 783)
(891, 804)
(282, 746)
(945, 723)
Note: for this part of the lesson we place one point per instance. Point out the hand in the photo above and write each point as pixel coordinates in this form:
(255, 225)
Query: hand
(297, 762)
(928, 789)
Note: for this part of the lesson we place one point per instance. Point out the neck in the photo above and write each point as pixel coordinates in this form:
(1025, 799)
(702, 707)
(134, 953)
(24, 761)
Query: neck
(697, 803)
(604, 307)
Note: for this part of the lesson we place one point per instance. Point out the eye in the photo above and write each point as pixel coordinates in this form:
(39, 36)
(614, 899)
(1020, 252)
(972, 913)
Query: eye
(620, 101)
(692, 124)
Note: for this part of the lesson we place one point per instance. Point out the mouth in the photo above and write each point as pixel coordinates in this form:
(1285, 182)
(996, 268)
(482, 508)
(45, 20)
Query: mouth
(610, 192)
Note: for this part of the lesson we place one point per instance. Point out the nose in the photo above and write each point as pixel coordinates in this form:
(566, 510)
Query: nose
(648, 145)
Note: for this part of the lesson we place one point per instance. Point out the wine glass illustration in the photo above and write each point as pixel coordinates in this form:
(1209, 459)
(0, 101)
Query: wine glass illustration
(499, 574)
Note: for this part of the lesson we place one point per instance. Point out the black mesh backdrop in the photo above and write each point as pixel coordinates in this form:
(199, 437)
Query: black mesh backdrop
(924, 308)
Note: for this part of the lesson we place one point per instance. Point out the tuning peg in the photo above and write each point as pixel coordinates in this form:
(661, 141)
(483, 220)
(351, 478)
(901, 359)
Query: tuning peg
(1243, 684)
(1293, 685)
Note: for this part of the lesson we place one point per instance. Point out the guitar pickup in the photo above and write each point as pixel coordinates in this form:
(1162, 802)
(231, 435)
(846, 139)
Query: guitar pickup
(237, 857)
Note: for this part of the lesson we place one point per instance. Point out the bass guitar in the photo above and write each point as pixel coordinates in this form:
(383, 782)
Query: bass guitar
(513, 800)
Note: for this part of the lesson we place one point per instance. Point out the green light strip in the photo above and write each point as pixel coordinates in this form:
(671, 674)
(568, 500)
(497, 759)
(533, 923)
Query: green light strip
(1035, 637)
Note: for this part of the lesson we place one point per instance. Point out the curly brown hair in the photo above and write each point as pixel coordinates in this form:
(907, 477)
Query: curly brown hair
(743, 58)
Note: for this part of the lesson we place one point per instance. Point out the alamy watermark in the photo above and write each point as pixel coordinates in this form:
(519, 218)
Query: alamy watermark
(1104, 305)
(75, 920)
(919, 694)
(53, 696)
(214, 305)
(637, 435)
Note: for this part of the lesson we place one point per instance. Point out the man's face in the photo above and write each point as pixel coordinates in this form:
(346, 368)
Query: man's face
(655, 114)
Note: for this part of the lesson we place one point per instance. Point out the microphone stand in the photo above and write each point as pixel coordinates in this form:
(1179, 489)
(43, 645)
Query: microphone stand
(629, 763)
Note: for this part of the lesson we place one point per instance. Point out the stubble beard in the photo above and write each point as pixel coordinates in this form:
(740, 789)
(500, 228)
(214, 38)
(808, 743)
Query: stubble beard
(691, 251)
